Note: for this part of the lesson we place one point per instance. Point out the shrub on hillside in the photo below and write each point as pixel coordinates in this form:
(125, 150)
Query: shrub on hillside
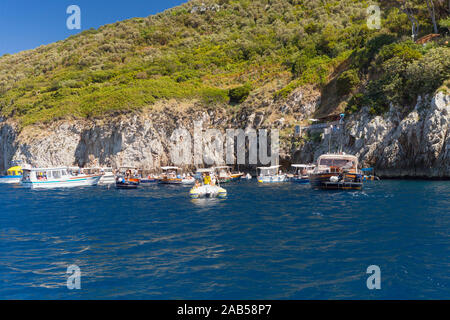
(347, 81)
(239, 94)
(427, 74)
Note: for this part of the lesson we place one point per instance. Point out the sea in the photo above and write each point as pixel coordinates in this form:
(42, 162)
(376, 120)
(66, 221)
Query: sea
(273, 241)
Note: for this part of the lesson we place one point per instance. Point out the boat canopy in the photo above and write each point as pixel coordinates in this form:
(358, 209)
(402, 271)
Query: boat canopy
(273, 170)
(205, 170)
(170, 168)
(223, 167)
(303, 165)
(47, 169)
(269, 168)
(338, 160)
(15, 171)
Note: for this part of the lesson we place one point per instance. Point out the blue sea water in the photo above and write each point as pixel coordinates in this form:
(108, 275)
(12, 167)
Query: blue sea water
(281, 241)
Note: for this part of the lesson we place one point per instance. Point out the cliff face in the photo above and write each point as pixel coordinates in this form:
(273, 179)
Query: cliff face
(415, 145)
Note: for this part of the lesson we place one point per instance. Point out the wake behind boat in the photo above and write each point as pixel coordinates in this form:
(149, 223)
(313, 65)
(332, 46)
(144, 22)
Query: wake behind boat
(48, 178)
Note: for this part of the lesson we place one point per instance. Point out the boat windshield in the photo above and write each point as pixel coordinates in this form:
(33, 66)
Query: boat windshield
(269, 172)
(14, 173)
(26, 175)
(56, 174)
(341, 163)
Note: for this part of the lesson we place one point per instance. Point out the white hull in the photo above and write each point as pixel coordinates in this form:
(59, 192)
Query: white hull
(9, 180)
(107, 179)
(81, 181)
(188, 181)
(272, 179)
(208, 191)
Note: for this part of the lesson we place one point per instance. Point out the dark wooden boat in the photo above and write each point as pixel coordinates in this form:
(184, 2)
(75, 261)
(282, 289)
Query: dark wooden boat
(122, 183)
(336, 172)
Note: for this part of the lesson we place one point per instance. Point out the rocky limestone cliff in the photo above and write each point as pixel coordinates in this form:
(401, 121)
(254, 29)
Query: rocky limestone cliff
(413, 145)
(142, 140)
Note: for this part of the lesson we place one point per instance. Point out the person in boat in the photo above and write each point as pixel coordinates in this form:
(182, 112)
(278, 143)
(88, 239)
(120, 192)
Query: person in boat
(197, 184)
(207, 179)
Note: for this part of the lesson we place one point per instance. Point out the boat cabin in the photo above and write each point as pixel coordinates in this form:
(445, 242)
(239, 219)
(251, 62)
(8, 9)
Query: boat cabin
(97, 170)
(269, 171)
(337, 163)
(45, 174)
(303, 169)
(224, 171)
(170, 172)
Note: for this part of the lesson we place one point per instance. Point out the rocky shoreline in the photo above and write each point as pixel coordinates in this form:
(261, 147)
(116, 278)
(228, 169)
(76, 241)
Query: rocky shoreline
(411, 145)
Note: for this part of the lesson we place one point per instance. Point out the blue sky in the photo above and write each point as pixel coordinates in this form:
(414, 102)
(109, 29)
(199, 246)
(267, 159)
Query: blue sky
(27, 24)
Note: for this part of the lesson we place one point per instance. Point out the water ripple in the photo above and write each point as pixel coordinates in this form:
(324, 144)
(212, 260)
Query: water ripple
(281, 241)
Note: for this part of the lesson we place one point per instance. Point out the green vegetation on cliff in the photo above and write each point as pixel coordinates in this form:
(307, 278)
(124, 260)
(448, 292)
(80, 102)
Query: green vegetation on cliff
(220, 51)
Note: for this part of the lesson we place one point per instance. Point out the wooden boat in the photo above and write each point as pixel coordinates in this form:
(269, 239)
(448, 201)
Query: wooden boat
(127, 178)
(170, 176)
(127, 183)
(223, 174)
(336, 172)
(237, 176)
(13, 175)
(48, 178)
(302, 172)
(149, 180)
(271, 175)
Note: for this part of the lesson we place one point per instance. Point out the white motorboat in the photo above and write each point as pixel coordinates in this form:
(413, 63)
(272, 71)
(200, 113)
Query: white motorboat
(207, 191)
(271, 175)
(207, 188)
(108, 176)
(48, 178)
(187, 179)
(302, 172)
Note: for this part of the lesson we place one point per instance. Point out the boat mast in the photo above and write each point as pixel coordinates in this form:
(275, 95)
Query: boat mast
(341, 129)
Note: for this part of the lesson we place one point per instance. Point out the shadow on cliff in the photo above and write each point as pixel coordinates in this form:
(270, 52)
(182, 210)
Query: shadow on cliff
(8, 146)
(96, 144)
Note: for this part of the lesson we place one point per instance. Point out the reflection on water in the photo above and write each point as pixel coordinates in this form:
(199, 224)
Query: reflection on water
(282, 241)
